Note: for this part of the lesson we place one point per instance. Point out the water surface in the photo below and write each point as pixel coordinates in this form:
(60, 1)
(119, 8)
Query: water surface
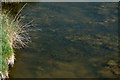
(69, 40)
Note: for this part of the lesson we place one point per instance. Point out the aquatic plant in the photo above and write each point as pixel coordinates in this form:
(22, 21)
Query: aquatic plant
(14, 35)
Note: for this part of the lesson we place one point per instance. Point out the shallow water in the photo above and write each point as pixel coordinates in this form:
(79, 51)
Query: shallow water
(68, 40)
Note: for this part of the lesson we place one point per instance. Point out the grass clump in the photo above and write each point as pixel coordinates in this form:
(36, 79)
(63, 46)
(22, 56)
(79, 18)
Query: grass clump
(14, 35)
(7, 49)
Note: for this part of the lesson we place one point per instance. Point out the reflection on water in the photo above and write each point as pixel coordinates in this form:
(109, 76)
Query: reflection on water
(72, 40)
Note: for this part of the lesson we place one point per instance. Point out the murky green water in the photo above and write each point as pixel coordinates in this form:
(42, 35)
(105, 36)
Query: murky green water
(69, 40)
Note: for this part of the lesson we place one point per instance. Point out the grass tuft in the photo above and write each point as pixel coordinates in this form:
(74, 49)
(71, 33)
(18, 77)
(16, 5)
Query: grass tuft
(14, 35)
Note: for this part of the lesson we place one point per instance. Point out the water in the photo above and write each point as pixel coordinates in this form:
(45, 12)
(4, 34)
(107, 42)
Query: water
(68, 40)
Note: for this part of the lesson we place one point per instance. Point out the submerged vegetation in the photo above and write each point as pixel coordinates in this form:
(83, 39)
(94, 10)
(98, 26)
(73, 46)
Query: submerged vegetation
(14, 35)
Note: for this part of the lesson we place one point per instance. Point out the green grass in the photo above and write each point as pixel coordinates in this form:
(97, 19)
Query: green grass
(14, 35)
(7, 48)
